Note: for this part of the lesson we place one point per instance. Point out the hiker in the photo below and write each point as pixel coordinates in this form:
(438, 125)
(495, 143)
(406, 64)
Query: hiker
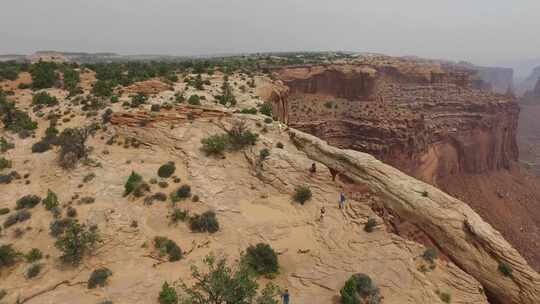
(323, 212)
(341, 200)
(313, 169)
(285, 296)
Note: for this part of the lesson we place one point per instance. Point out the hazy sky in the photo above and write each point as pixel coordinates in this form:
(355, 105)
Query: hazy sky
(481, 31)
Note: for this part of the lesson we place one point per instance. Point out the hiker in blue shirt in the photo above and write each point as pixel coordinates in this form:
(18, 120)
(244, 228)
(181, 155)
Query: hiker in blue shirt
(341, 200)
(285, 296)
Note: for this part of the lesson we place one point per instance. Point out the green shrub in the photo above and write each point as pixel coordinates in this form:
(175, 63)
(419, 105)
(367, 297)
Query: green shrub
(240, 136)
(206, 222)
(43, 75)
(194, 100)
(430, 254)
(226, 284)
(268, 120)
(99, 278)
(166, 170)
(44, 99)
(169, 247)
(4, 163)
(72, 142)
(370, 225)
(51, 201)
(264, 153)
(27, 202)
(133, 181)
(359, 287)
(266, 109)
(302, 194)
(8, 256)
(214, 145)
(4, 211)
(445, 297)
(167, 295)
(41, 147)
(505, 269)
(76, 241)
(18, 217)
(57, 227)
(181, 193)
(179, 215)
(15, 120)
(261, 258)
(249, 111)
(33, 270)
(33, 255)
(138, 99)
(5, 145)
(103, 88)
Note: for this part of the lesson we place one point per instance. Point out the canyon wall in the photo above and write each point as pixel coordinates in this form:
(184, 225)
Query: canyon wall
(428, 120)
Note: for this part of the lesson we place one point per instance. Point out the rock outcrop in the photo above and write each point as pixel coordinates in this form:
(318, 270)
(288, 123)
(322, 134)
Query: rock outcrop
(464, 237)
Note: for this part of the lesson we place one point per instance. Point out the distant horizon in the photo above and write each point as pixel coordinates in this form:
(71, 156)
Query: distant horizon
(521, 67)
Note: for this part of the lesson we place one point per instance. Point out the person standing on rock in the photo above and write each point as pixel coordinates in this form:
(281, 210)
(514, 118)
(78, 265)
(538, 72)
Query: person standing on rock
(323, 212)
(341, 200)
(285, 296)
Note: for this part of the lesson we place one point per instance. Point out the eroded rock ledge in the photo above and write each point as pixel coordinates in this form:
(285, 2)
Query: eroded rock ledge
(464, 237)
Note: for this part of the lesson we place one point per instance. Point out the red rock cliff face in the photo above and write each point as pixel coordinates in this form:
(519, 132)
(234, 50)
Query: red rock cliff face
(428, 121)
(422, 119)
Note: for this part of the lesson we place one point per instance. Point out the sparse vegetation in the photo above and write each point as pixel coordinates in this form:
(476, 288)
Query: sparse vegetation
(134, 180)
(194, 100)
(264, 153)
(8, 256)
(33, 255)
(262, 259)
(51, 201)
(4, 163)
(505, 269)
(99, 278)
(179, 215)
(359, 288)
(166, 170)
(370, 225)
(27, 202)
(44, 99)
(214, 145)
(302, 194)
(430, 254)
(206, 222)
(72, 142)
(223, 284)
(266, 109)
(18, 217)
(76, 241)
(169, 247)
(43, 75)
(167, 295)
(33, 270)
(181, 193)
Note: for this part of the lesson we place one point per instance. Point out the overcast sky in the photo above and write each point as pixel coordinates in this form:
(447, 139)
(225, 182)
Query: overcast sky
(482, 31)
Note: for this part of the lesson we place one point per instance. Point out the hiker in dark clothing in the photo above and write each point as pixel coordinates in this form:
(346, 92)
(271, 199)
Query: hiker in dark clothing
(285, 296)
(341, 200)
(313, 169)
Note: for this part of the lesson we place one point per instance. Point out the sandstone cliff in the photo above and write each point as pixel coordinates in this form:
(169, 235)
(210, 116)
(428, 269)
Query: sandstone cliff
(426, 119)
